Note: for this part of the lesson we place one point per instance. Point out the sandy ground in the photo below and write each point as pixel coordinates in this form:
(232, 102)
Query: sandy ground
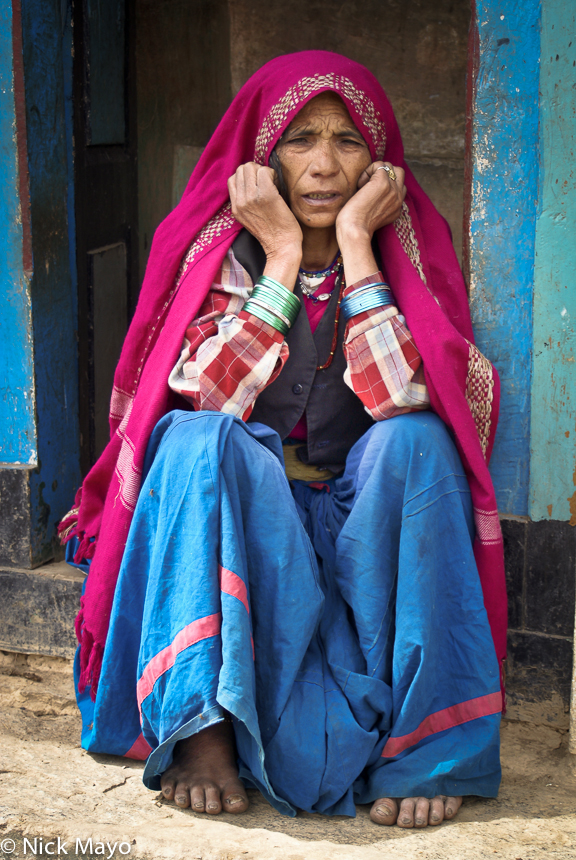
(49, 788)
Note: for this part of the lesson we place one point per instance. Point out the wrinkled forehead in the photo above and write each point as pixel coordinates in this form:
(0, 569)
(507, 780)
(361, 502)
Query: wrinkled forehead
(325, 107)
(361, 110)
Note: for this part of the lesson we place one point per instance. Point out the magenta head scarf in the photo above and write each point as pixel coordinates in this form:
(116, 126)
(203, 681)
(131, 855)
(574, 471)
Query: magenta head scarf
(187, 251)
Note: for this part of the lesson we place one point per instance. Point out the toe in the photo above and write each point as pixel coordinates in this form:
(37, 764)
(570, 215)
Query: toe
(182, 795)
(213, 805)
(168, 787)
(234, 798)
(197, 800)
(451, 806)
(436, 815)
(384, 811)
(406, 814)
(421, 812)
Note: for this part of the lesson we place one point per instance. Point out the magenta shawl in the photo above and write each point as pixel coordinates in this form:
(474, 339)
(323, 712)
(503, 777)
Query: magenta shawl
(187, 251)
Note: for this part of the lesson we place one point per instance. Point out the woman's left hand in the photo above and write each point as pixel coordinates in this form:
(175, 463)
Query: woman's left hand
(377, 202)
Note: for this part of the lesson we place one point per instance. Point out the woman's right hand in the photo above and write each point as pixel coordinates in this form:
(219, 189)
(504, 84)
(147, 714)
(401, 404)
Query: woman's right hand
(258, 206)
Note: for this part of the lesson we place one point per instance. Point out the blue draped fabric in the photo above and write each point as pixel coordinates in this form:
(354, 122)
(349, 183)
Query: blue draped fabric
(341, 625)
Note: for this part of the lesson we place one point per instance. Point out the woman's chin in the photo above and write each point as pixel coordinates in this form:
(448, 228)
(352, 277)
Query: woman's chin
(319, 220)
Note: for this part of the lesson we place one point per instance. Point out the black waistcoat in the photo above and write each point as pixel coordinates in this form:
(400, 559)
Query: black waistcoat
(335, 416)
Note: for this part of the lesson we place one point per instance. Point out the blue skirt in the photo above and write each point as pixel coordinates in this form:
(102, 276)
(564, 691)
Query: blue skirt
(341, 625)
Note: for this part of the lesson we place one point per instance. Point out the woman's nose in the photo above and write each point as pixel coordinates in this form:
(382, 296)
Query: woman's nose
(324, 159)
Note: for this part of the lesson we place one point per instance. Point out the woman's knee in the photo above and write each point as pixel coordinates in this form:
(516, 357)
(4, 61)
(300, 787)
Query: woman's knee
(416, 429)
(410, 440)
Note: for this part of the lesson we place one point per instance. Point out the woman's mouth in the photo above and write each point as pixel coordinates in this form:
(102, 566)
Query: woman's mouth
(321, 198)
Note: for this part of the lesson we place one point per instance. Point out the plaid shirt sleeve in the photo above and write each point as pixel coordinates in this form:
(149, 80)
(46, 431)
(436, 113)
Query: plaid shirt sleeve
(384, 367)
(228, 356)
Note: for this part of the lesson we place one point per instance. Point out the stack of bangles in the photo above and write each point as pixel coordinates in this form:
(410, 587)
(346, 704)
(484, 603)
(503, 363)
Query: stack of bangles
(272, 303)
(375, 295)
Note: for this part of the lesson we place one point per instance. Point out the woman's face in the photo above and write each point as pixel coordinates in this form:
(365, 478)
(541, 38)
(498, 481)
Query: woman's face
(322, 154)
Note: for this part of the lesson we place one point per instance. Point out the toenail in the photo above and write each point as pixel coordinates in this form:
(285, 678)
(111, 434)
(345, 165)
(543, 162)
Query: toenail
(212, 806)
(199, 805)
(406, 820)
(383, 810)
(448, 812)
(232, 801)
(435, 818)
(420, 821)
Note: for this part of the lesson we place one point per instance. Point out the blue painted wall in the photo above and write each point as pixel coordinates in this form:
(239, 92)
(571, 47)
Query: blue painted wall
(17, 428)
(502, 225)
(553, 426)
(53, 285)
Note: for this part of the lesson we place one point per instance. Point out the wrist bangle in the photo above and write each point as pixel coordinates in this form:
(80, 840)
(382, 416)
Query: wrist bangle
(277, 297)
(358, 290)
(374, 298)
(270, 309)
(277, 288)
(289, 309)
(266, 316)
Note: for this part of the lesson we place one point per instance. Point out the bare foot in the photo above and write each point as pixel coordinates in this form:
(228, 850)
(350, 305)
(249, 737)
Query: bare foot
(415, 811)
(204, 775)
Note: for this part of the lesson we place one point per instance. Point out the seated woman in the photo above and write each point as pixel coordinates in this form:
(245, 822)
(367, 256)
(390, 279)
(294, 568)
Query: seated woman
(295, 576)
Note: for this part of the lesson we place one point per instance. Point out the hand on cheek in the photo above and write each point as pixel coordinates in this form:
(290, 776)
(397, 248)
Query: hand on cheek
(377, 202)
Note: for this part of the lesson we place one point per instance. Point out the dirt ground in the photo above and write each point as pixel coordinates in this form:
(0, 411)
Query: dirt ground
(50, 788)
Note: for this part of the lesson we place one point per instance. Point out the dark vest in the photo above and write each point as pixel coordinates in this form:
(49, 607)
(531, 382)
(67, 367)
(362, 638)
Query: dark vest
(335, 416)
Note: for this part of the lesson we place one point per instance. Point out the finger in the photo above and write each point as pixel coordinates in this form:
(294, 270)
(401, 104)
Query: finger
(436, 815)
(421, 812)
(406, 814)
(400, 175)
(451, 806)
(372, 168)
(364, 178)
(232, 193)
(265, 176)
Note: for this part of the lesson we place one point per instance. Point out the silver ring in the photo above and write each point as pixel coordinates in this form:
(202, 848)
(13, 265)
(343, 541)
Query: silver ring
(388, 170)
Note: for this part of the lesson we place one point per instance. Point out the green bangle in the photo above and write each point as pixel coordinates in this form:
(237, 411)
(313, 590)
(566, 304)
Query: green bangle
(274, 303)
(278, 289)
(270, 309)
(266, 316)
(284, 302)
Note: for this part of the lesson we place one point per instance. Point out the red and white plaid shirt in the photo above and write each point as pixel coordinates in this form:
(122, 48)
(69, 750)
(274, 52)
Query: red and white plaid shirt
(229, 356)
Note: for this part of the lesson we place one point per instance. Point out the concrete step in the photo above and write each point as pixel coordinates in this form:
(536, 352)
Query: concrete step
(38, 607)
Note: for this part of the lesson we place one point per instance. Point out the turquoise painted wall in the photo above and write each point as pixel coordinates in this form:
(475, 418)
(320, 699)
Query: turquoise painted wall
(553, 422)
(502, 224)
(18, 443)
